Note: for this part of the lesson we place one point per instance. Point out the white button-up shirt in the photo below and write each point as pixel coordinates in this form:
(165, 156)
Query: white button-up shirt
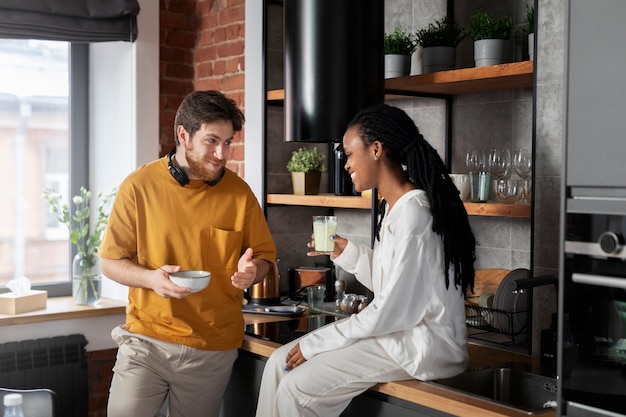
(419, 322)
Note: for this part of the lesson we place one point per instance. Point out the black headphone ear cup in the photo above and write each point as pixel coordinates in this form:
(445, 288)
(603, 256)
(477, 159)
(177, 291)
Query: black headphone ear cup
(178, 174)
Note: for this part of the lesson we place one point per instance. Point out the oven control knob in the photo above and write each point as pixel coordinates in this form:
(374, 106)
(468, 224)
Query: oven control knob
(609, 242)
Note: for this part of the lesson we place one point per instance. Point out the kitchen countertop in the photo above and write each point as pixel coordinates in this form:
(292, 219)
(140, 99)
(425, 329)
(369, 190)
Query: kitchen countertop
(418, 392)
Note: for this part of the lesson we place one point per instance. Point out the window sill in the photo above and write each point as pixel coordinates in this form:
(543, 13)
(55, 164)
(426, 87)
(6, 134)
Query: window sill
(64, 308)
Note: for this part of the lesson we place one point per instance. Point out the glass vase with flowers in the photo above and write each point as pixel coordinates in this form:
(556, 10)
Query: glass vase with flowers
(86, 276)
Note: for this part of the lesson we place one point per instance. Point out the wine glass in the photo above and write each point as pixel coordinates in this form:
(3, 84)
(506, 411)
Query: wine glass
(500, 168)
(522, 164)
(475, 161)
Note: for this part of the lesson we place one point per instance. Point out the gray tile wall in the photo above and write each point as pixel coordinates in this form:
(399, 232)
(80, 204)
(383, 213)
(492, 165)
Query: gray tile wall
(483, 120)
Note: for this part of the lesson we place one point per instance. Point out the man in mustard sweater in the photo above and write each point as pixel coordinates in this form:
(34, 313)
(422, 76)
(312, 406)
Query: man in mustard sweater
(184, 211)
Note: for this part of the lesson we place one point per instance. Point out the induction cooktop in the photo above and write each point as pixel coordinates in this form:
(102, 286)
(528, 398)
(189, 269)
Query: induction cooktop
(285, 331)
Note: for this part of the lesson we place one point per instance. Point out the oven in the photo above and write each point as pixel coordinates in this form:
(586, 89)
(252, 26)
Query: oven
(592, 337)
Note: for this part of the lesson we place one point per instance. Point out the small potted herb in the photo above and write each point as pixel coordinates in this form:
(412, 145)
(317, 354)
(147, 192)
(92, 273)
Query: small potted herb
(306, 166)
(491, 35)
(399, 46)
(439, 41)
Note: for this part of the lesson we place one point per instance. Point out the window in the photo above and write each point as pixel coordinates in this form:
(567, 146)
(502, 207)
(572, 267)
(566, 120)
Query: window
(36, 97)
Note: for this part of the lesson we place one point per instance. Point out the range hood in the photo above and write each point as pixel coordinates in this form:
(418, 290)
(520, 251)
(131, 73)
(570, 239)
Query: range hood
(334, 65)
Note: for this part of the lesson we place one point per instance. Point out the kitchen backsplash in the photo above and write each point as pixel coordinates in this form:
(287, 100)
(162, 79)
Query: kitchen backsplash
(503, 119)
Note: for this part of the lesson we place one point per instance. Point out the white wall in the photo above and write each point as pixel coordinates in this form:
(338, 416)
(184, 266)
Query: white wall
(254, 91)
(124, 108)
(124, 124)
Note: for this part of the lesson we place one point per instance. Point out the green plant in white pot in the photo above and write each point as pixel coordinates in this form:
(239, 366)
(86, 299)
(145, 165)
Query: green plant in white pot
(439, 41)
(399, 46)
(306, 166)
(491, 35)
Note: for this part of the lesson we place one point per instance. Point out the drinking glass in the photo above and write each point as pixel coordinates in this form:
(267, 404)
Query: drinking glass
(500, 167)
(522, 164)
(478, 171)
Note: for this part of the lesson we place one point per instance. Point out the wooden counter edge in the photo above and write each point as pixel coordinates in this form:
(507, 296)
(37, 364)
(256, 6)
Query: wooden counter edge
(421, 393)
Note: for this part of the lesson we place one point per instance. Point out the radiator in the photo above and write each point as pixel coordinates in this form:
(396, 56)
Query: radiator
(57, 363)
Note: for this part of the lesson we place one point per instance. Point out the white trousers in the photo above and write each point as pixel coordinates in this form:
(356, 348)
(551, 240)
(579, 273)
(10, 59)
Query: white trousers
(148, 369)
(325, 384)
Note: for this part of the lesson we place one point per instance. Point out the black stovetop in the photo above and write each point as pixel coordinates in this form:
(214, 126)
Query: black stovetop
(287, 330)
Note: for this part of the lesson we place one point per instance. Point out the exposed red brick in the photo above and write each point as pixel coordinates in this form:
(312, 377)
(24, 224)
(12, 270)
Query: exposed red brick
(183, 6)
(206, 53)
(234, 64)
(204, 70)
(168, 54)
(233, 82)
(209, 84)
(219, 34)
(181, 39)
(234, 31)
(177, 21)
(176, 86)
(173, 70)
(232, 14)
(230, 48)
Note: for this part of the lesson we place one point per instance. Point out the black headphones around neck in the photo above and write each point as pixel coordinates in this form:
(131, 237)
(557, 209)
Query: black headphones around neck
(180, 176)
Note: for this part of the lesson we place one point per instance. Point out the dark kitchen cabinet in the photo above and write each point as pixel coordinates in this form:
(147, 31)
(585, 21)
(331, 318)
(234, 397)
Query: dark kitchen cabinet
(243, 390)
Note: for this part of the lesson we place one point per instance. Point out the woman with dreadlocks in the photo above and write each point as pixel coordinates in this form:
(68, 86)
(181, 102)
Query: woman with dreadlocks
(418, 270)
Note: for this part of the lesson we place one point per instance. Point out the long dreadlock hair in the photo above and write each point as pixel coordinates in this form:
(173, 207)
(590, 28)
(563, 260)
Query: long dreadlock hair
(405, 145)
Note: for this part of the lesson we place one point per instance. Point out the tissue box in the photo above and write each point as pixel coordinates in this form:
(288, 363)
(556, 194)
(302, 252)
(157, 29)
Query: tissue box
(16, 304)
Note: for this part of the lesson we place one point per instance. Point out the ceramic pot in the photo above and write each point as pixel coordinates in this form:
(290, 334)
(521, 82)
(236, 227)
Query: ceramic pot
(491, 52)
(438, 58)
(306, 183)
(397, 65)
(531, 46)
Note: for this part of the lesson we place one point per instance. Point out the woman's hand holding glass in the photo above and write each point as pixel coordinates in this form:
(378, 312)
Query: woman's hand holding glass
(340, 245)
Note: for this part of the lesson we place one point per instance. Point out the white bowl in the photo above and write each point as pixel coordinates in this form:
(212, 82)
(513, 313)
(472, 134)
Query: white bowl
(196, 280)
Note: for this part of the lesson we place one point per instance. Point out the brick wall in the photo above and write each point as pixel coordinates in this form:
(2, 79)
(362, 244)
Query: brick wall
(100, 369)
(201, 48)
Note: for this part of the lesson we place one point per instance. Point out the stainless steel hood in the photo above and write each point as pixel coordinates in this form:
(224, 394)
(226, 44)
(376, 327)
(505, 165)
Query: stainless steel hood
(334, 65)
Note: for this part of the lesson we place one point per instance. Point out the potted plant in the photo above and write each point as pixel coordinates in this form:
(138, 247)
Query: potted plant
(306, 166)
(399, 46)
(530, 22)
(491, 37)
(86, 276)
(439, 41)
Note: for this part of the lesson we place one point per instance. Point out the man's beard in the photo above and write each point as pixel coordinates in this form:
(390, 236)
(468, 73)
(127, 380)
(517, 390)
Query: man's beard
(199, 169)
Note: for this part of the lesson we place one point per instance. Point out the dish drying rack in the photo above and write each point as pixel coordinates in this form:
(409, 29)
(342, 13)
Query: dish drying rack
(486, 323)
(499, 326)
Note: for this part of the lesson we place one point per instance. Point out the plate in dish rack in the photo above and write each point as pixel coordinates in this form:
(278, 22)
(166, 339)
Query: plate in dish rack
(505, 299)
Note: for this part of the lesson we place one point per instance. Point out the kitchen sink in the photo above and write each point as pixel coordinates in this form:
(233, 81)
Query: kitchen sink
(522, 390)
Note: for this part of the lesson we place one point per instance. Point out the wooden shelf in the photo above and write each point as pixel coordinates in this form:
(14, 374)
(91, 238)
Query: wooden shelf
(320, 200)
(467, 80)
(331, 200)
(499, 210)
(462, 81)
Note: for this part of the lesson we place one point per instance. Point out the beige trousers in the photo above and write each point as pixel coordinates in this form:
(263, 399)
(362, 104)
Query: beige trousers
(325, 384)
(148, 369)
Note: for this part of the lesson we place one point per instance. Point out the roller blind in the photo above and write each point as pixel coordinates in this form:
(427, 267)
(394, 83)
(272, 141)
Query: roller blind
(69, 20)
